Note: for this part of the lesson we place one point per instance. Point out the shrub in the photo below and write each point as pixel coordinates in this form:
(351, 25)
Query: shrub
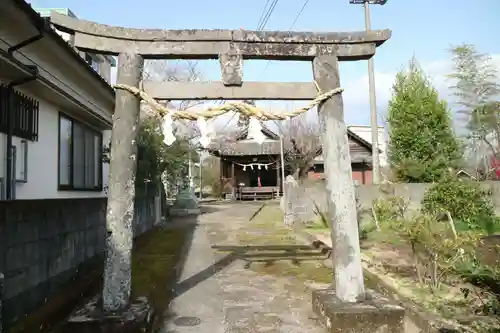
(467, 203)
(387, 209)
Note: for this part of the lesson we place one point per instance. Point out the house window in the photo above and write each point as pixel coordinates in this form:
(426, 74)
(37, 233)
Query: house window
(24, 111)
(80, 156)
(92, 62)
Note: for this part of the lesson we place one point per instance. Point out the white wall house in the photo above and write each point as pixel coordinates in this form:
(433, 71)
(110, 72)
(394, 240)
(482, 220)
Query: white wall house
(365, 132)
(102, 64)
(60, 111)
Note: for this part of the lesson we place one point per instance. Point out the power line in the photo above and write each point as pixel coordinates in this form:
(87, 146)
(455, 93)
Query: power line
(290, 29)
(232, 117)
(268, 15)
(262, 15)
(264, 18)
(298, 15)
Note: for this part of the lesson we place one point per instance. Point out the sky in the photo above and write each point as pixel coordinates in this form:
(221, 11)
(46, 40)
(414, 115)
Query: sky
(425, 29)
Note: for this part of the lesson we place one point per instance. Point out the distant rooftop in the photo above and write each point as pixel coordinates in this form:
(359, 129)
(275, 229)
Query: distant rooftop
(45, 12)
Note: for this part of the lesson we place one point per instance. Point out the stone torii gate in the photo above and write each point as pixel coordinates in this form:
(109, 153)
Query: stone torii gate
(324, 50)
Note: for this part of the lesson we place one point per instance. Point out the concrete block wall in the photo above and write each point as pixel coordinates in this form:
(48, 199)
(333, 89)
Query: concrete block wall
(414, 193)
(311, 193)
(44, 242)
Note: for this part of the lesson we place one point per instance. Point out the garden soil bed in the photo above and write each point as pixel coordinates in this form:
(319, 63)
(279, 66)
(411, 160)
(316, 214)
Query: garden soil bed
(390, 270)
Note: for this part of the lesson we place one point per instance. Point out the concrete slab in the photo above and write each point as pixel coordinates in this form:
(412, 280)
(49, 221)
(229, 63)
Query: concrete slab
(376, 314)
(91, 319)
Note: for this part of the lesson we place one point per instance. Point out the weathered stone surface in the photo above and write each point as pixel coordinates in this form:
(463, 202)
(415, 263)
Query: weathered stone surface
(122, 167)
(217, 90)
(375, 314)
(211, 50)
(185, 203)
(73, 24)
(91, 319)
(341, 201)
(231, 65)
(290, 201)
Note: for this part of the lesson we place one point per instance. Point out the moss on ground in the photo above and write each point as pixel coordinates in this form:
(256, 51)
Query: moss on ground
(154, 259)
(267, 228)
(154, 267)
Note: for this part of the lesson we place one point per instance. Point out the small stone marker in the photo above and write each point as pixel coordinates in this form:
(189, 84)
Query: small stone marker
(290, 201)
(185, 203)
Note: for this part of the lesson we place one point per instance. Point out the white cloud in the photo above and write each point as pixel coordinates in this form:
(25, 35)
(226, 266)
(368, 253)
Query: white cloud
(356, 93)
(357, 98)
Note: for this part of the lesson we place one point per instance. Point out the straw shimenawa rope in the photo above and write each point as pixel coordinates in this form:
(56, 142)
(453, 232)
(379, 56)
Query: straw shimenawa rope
(239, 107)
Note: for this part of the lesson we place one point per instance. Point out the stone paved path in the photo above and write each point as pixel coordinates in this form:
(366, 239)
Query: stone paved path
(216, 294)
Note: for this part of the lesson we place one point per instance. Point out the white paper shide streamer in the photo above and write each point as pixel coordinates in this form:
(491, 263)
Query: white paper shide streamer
(255, 130)
(168, 130)
(206, 132)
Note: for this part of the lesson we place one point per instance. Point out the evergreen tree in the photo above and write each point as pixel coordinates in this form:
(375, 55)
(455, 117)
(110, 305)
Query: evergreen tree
(422, 147)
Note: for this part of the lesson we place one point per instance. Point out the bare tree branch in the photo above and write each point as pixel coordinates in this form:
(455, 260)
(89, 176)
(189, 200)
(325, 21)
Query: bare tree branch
(301, 143)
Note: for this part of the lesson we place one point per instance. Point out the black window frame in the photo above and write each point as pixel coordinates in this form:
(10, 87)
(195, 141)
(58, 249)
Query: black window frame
(86, 128)
(23, 109)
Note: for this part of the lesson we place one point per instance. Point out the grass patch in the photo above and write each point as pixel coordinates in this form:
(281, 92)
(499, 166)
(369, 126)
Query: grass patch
(317, 226)
(267, 228)
(306, 271)
(154, 267)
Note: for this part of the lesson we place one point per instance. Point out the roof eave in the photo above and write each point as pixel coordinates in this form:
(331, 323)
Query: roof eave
(41, 24)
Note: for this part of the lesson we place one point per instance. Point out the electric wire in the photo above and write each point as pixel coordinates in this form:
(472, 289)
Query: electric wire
(290, 29)
(262, 15)
(304, 5)
(264, 18)
(268, 15)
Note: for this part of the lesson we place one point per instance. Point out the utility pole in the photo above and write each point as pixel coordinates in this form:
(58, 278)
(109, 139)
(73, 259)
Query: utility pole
(201, 176)
(373, 99)
(190, 173)
(282, 166)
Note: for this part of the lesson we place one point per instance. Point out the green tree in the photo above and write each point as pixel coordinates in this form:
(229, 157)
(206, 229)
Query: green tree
(422, 147)
(211, 175)
(155, 157)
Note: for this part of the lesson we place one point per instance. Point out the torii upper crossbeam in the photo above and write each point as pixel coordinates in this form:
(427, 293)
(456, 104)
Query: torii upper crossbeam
(209, 44)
